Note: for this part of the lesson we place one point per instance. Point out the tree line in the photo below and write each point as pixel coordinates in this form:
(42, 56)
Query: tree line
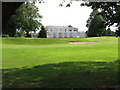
(26, 19)
(96, 26)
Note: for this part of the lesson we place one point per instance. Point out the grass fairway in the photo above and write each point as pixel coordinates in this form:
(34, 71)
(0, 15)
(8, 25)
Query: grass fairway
(54, 63)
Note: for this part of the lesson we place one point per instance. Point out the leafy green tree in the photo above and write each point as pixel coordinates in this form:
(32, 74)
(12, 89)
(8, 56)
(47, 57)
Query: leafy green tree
(8, 9)
(42, 33)
(95, 24)
(109, 10)
(26, 19)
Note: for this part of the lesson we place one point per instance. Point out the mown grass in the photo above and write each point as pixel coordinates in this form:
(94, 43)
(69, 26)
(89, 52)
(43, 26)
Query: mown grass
(53, 63)
(39, 41)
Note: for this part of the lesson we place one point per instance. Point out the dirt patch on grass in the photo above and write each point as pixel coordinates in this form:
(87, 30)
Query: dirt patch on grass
(81, 42)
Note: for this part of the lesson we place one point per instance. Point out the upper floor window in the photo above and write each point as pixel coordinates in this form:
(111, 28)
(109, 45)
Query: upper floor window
(70, 30)
(75, 30)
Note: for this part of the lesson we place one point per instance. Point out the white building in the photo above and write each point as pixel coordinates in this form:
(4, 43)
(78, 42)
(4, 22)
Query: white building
(64, 32)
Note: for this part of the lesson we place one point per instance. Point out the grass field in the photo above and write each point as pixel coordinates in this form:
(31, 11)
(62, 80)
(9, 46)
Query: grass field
(54, 63)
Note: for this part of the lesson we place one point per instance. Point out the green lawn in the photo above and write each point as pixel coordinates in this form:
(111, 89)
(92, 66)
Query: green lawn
(54, 63)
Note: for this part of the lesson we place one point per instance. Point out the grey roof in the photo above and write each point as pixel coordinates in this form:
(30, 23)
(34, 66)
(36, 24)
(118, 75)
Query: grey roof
(61, 27)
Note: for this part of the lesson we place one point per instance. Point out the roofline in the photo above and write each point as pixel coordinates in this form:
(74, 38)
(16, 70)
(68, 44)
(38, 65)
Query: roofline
(61, 26)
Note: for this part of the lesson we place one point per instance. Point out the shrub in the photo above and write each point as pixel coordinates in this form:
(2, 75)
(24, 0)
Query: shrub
(5, 35)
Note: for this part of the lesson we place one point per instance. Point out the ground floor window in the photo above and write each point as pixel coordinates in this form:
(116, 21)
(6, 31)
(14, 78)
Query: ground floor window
(65, 37)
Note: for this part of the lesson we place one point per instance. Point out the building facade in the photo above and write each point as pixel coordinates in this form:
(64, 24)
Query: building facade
(63, 32)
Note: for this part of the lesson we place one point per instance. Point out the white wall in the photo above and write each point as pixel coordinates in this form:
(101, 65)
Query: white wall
(65, 32)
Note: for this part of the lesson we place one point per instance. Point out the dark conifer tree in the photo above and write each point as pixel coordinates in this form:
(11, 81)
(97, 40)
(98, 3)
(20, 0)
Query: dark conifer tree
(42, 33)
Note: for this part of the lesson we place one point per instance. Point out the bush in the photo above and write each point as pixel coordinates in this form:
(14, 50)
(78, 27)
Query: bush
(20, 34)
(5, 35)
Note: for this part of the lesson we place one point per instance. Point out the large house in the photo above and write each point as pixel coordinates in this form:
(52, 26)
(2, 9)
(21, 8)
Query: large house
(63, 32)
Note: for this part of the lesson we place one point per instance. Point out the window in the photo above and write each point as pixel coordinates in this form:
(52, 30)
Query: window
(54, 35)
(65, 30)
(71, 35)
(50, 29)
(75, 30)
(60, 33)
(70, 30)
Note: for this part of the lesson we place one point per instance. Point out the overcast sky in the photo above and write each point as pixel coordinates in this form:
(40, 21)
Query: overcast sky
(55, 15)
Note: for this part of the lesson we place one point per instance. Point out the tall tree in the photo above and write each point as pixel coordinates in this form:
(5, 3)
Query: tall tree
(26, 19)
(42, 33)
(109, 10)
(95, 24)
(8, 9)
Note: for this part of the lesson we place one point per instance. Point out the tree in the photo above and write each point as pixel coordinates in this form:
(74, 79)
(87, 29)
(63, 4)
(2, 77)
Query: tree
(95, 24)
(26, 19)
(42, 33)
(8, 9)
(109, 10)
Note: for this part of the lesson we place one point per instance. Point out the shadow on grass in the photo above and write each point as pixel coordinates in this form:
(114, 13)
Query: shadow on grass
(63, 75)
